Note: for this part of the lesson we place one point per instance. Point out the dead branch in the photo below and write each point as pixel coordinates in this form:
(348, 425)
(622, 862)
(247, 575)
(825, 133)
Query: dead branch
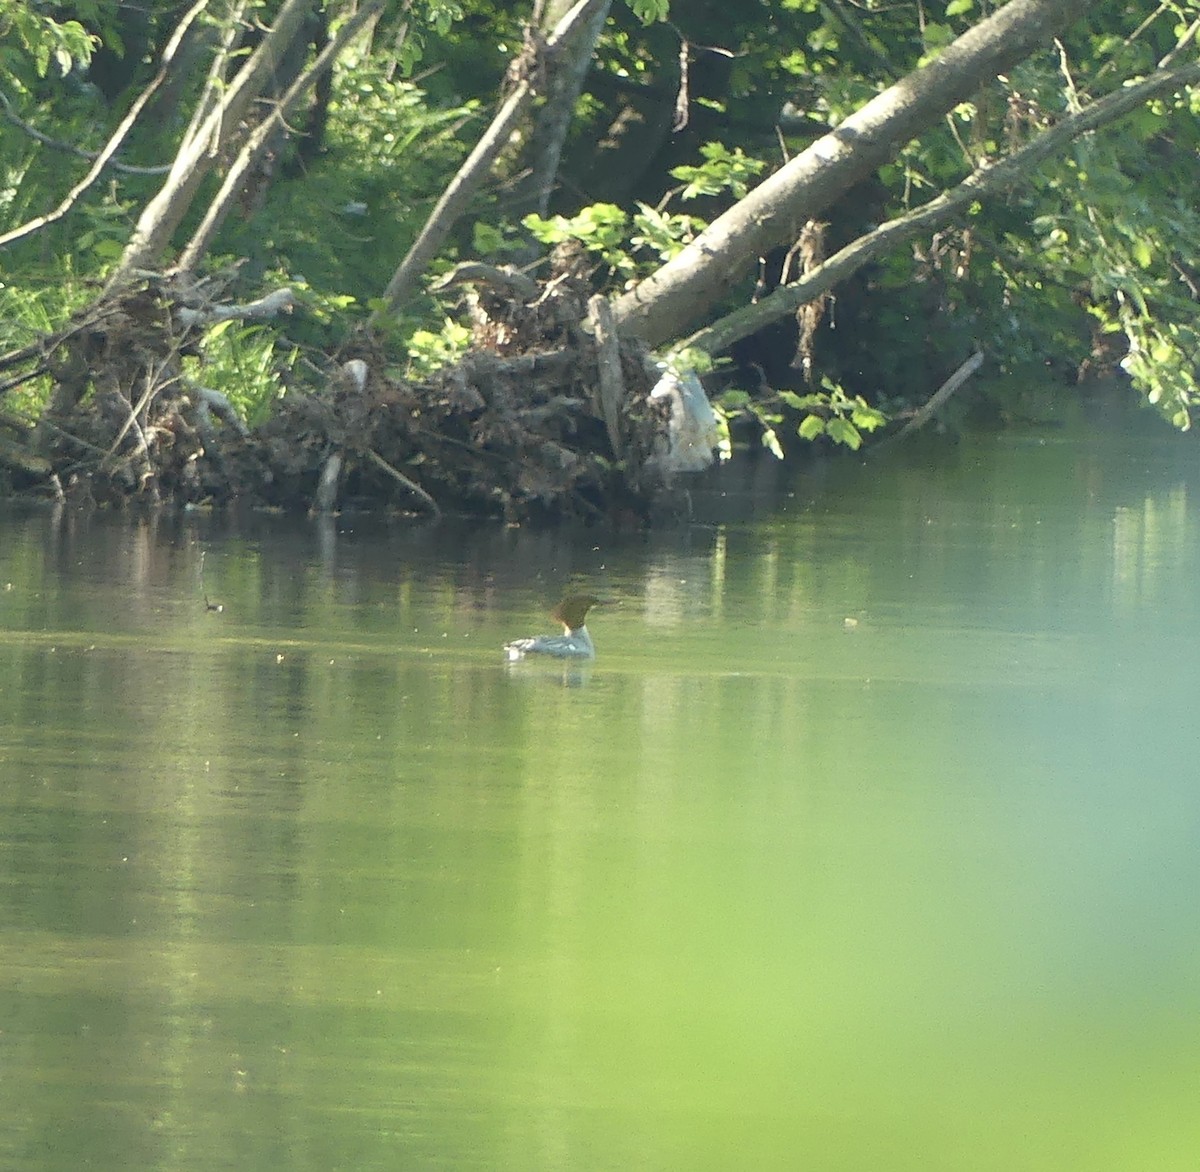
(104, 157)
(937, 400)
(15, 456)
(152, 386)
(257, 143)
(610, 390)
(508, 281)
(270, 305)
(213, 401)
(69, 148)
(411, 485)
(196, 158)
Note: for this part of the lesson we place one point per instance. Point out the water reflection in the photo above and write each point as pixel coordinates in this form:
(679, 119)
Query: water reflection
(319, 880)
(563, 673)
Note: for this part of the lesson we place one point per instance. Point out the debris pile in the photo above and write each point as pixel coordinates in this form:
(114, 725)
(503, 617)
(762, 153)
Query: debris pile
(549, 414)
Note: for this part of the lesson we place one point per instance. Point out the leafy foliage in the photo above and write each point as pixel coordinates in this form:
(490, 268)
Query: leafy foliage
(32, 43)
(247, 364)
(722, 170)
(629, 245)
(430, 351)
(1108, 265)
(633, 245)
(830, 412)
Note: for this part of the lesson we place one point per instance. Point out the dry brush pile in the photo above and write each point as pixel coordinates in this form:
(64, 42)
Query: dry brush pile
(548, 415)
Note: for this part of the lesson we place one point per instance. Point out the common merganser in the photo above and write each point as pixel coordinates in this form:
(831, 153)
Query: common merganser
(573, 643)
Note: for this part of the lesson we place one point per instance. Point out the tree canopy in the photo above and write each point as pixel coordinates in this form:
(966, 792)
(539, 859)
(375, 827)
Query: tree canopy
(835, 205)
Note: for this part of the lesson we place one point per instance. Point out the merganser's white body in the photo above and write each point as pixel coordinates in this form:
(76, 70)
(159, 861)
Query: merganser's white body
(573, 643)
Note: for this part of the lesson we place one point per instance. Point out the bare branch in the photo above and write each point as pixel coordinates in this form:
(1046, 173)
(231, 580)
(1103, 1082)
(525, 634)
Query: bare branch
(271, 305)
(119, 135)
(69, 148)
(163, 214)
(411, 485)
(510, 281)
(256, 145)
(937, 400)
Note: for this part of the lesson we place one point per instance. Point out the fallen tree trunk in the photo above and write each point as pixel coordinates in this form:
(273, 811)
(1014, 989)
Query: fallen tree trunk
(667, 303)
(199, 153)
(983, 183)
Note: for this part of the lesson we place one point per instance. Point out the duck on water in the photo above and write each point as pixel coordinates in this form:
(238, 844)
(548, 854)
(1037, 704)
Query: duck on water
(573, 643)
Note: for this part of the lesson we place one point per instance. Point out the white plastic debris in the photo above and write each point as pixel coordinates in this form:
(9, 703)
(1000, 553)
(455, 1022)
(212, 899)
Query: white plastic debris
(692, 429)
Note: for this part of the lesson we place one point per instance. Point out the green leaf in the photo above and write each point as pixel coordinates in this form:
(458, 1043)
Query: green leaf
(770, 441)
(486, 238)
(1143, 252)
(865, 417)
(803, 402)
(650, 11)
(221, 327)
(811, 427)
(937, 35)
(108, 249)
(842, 431)
(722, 168)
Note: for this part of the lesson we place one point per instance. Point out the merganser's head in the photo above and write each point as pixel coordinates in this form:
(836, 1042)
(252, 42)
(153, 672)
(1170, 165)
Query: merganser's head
(572, 611)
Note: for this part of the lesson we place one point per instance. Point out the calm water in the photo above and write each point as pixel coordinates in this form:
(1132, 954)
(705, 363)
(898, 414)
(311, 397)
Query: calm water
(869, 841)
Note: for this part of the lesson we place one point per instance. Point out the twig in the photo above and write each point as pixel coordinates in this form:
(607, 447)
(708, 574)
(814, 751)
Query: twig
(151, 388)
(23, 378)
(69, 148)
(411, 485)
(936, 400)
(13, 357)
(146, 465)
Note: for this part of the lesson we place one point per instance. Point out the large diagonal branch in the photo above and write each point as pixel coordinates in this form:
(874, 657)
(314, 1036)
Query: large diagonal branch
(197, 156)
(256, 145)
(471, 174)
(982, 183)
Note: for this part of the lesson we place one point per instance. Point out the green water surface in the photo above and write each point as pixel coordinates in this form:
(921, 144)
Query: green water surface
(870, 841)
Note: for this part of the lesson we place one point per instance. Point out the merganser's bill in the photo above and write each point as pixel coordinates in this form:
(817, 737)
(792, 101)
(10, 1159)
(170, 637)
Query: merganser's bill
(573, 643)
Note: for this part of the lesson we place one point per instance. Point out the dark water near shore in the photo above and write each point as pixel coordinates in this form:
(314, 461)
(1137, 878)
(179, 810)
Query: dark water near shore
(868, 841)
